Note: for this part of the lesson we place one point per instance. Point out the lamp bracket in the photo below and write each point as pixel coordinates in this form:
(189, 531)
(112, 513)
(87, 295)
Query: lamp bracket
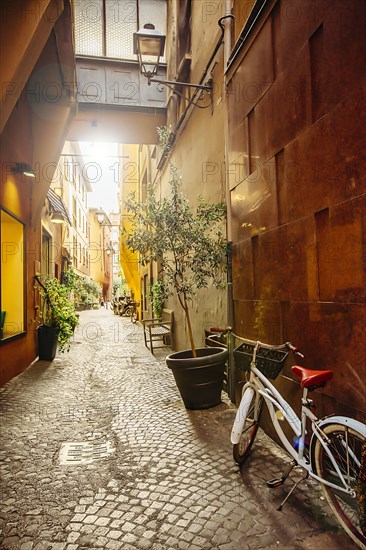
(172, 84)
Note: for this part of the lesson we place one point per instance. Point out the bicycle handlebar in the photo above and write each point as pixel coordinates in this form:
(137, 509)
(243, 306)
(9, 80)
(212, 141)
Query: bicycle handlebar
(294, 350)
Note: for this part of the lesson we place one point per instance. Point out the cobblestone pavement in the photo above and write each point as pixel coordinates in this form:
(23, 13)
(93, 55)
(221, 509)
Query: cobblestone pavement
(143, 473)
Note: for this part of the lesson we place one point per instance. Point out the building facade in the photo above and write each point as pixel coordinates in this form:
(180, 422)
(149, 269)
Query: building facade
(36, 50)
(280, 139)
(283, 144)
(101, 251)
(71, 182)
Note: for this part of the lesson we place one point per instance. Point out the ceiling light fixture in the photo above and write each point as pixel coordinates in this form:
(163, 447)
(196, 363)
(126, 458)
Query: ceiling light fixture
(23, 168)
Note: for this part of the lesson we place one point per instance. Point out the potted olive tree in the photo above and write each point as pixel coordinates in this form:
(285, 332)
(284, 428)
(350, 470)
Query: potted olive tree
(190, 246)
(58, 318)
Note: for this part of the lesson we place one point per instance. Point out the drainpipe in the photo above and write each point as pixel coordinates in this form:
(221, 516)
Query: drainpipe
(230, 304)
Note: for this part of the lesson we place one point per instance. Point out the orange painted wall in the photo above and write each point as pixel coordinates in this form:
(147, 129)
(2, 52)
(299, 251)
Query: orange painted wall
(34, 134)
(15, 196)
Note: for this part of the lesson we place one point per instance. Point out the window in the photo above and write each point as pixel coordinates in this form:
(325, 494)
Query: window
(75, 251)
(144, 188)
(183, 30)
(74, 211)
(46, 258)
(70, 170)
(104, 28)
(145, 292)
(178, 104)
(12, 276)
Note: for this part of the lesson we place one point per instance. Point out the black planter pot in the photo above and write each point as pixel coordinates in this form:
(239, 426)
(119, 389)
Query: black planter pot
(47, 342)
(199, 379)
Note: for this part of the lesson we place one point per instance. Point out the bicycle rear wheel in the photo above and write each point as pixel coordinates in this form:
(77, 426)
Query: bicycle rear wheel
(242, 448)
(345, 447)
(127, 312)
(134, 315)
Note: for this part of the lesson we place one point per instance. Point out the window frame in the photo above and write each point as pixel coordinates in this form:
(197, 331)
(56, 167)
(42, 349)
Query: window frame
(46, 235)
(104, 36)
(22, 333)
(104, 55)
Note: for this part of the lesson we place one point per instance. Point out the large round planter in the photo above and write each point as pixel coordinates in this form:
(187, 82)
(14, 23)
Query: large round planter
(47, 342)
(199, 379)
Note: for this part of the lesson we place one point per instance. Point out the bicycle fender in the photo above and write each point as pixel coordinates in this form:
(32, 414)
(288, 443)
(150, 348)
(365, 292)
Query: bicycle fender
(344, 421)
(241, 415)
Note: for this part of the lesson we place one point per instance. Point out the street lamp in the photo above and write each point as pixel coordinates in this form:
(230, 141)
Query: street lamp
(57, 217)
(100, 215)
(148, 45)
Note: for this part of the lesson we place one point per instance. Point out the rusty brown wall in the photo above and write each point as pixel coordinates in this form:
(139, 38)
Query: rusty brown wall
(297, 169)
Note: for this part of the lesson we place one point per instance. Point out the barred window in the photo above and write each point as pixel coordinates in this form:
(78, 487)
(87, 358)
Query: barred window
(104, 28)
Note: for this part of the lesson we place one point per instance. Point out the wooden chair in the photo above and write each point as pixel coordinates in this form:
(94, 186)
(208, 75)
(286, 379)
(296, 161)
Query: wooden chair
(158, 330)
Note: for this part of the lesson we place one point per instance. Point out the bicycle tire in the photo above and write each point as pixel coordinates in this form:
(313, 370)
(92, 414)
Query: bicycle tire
(242, 449)
(127, 312)
(133, 316)
(343, 439)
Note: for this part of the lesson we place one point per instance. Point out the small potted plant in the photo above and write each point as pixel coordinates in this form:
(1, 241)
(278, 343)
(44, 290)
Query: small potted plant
(58, 316)
(157, 298)
(190, 246)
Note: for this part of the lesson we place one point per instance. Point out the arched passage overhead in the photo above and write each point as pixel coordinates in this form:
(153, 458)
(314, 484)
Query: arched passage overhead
(116, 124)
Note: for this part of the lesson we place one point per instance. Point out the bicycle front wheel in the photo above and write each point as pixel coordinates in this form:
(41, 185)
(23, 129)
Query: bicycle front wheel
(344, 445)
(241, 449)
(134, 316)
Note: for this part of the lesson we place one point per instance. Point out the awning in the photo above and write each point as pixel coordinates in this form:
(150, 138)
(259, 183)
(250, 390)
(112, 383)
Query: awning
(58, 205)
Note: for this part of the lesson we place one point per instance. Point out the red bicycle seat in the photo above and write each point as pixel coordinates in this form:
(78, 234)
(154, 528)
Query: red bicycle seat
(310, 377)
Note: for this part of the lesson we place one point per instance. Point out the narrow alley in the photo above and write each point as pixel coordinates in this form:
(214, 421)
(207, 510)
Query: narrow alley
(98, 451)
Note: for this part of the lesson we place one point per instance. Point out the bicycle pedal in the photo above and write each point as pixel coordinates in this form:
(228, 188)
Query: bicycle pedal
(275, 482)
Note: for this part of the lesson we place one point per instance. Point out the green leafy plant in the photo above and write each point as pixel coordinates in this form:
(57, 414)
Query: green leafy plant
(120, 287)
(84, 290)
(189, 242)
(165, 137)
(157, 295)
(69, 278)
(88, 291)
(58, 310)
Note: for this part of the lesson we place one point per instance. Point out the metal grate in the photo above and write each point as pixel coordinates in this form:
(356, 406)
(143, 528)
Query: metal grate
(105, 28)
(89, 27)
(121, 23)
(76, 452)
(153, 11)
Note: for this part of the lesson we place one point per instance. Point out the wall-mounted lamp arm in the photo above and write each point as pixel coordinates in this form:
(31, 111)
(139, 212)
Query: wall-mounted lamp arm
(172, 83)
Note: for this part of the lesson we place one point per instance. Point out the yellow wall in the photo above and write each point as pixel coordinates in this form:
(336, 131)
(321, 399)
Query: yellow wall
(128, 184)
(12, 274)
(96, 251)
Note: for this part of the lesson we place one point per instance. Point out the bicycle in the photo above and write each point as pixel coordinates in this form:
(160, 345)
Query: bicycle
(333, 454)
(133, 313)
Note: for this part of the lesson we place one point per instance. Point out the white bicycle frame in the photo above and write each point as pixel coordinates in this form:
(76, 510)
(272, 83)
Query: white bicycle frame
(274, 401)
